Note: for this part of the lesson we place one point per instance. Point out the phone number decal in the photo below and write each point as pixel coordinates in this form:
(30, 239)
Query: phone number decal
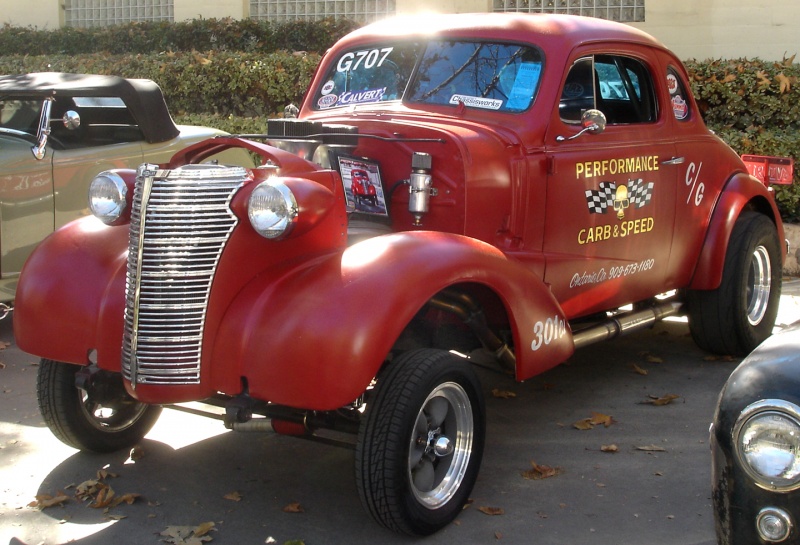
(621, 271)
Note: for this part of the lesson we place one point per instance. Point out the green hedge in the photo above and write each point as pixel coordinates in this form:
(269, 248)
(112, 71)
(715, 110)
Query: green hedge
(196, 35)
(215, 82)
(754, 106)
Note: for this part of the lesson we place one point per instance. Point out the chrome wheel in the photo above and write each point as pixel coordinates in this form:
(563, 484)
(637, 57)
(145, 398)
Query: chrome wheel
(758, 286)
(441, 445)
(420, 442)
(111, 418)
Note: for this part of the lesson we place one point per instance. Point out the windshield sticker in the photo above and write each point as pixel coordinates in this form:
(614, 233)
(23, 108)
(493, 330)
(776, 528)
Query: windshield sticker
(477, 102)
(362, 97)
(328, 87)
(524, 86)
(327, 101)
(672, 84)
(679, 107)
(368, 58)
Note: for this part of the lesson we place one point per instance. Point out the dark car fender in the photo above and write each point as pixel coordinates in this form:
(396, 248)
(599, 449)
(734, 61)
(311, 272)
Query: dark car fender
(740, 192)
(318, 336)
(771, 371)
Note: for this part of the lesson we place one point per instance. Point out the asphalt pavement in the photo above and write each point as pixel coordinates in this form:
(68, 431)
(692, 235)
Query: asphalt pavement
(639, 472)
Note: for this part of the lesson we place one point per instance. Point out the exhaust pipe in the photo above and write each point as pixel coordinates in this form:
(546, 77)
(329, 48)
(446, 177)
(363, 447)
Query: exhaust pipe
(626, 323)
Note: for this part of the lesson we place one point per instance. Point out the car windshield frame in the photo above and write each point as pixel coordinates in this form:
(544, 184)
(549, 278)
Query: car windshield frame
(456, 72)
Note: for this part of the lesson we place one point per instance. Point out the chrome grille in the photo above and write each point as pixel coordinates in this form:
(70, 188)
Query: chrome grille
(180, 222)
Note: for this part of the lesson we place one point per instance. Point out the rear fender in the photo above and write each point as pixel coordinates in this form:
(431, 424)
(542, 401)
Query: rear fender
(60, 312)
(742, 191)
(317, 337)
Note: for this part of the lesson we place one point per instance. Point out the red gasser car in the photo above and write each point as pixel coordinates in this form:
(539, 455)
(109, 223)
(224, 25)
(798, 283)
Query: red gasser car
(543, 180)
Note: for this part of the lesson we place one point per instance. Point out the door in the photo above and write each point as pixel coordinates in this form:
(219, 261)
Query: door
(610, 196)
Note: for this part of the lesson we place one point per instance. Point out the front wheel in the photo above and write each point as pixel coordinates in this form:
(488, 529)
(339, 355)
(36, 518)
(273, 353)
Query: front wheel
(421, 442)
(740, 314)
(101, 417)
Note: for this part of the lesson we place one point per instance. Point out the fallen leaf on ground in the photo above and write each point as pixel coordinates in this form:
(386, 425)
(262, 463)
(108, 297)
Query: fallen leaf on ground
(492, 511)
(596, 419)
(233, 496)
(638, 370)
(188, 535)
(539, 472)
(2, 365)
(585, 424)
(659, 401)
(652, 448)
(125, 498)
(293, 507)
(43, 501)
(609, 448)
(103, 498)
(503, 394)
(600, 418)
(105, 474)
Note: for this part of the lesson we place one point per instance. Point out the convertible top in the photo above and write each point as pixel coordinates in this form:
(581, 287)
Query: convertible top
(143, 97)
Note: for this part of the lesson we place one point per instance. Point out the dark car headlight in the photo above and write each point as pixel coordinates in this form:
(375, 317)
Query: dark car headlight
(767, 442)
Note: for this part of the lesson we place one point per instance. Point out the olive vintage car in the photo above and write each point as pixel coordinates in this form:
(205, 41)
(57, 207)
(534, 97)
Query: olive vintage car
(57, 131)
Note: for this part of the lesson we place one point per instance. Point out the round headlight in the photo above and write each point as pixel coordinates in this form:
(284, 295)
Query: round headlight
(272, 210)
(108, 197)
(767, 439)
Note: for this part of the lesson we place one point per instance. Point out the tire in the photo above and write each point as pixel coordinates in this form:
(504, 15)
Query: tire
(79, 419)
(421, 441)
(739, 315)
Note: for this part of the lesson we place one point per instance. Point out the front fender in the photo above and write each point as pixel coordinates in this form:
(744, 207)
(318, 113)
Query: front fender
(318, 336)
(741, 191)
(71, 292)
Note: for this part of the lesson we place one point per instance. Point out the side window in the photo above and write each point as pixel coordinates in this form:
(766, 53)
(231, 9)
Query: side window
(577, 96)
(625, 90)
(677, 95)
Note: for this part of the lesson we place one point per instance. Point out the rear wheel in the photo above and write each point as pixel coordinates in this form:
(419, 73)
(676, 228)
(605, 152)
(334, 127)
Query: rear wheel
(101, 417)
(740, 314)
(421, 442)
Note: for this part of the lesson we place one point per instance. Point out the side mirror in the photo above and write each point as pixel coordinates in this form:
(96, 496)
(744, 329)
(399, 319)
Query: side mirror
(72, 120)
(592, 121)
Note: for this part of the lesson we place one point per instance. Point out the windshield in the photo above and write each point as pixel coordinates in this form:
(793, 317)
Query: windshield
(483, 75)
(20, 114)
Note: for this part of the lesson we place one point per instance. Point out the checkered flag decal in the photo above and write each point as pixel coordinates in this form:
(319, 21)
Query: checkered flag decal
(600, 200)
(639, 192)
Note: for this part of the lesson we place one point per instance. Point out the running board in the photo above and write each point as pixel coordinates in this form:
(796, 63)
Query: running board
(625, 323)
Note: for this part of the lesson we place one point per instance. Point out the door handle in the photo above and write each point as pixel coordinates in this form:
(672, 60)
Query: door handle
(674, 161)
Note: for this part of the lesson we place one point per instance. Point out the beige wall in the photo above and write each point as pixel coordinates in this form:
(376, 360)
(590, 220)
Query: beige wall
(210, 9)
(768, 29)
(42, 14)
(699, 29)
